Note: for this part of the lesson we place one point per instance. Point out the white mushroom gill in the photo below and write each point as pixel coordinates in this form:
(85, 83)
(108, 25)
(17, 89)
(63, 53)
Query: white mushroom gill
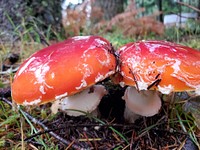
(145, 103)
(85, 101)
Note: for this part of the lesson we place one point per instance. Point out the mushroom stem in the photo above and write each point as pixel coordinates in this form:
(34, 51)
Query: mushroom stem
(85, 101)
(129, 115)
(144, 103)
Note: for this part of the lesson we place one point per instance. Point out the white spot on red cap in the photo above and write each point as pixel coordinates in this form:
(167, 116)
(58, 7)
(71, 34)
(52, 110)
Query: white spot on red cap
(81, 37)
(142, 85)
(42, 89)
(41, 72)
(166, 89)
(176, 66)
(99, 41)
(52, 75)
(82, 85)
(25, 66)
(99, 77)
(133, 62)
(152, 47)
(86, 71)
(106, 61)
(58, 97)
(123, 48)
(34, 102)
(122, 84)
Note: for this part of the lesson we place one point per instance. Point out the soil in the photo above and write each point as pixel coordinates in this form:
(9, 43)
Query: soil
(113, 132)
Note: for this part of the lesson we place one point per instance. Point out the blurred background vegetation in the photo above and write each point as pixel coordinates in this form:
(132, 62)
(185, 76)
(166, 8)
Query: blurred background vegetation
(135, 19)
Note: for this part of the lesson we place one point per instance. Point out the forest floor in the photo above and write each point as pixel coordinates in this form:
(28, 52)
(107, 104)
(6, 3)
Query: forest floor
(37, 128)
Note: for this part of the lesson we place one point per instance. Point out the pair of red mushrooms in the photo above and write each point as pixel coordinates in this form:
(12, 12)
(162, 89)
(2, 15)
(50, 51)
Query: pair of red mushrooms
(68, 71)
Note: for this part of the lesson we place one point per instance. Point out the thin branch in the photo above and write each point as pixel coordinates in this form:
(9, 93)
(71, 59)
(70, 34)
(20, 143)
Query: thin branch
(38, 122)
(135, 79)
(187, 5)
(129, 126)
(155, 83)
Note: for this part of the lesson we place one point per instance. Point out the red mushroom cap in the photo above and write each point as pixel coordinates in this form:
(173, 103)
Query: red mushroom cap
(159, 65)
(63, 69)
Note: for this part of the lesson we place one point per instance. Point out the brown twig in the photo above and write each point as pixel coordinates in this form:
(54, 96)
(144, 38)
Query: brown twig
(187, 5)
(156, 83)
(135, 79)
(38, 122)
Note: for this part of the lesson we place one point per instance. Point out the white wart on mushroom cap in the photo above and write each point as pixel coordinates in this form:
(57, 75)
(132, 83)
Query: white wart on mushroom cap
(63, 69)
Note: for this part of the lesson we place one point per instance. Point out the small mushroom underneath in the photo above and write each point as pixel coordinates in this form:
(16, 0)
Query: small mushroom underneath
(81, 103)
(144, 103)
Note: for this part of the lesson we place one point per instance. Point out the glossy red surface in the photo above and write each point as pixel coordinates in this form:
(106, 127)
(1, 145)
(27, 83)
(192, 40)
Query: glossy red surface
(146, 62)
(63, 69)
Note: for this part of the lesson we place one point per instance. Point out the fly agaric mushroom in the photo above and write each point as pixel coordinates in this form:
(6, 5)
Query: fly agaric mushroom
(156, 65)
(63, 70)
